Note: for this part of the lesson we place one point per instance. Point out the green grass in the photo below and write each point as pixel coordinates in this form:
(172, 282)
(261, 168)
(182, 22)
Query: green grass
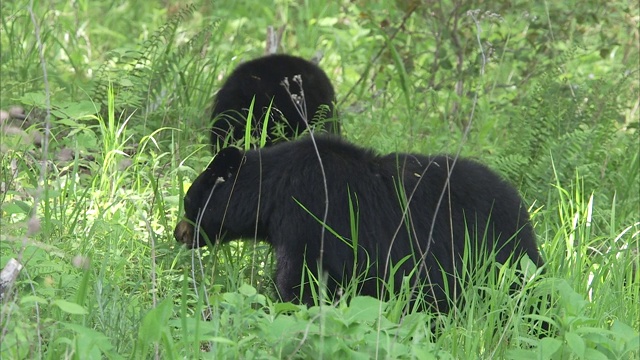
(553, 107)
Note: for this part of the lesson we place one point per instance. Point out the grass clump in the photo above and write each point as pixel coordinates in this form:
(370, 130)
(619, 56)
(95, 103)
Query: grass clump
(546, 93)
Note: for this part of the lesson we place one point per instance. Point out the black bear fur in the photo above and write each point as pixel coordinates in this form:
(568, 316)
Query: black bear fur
(262, 78)
(261, 194)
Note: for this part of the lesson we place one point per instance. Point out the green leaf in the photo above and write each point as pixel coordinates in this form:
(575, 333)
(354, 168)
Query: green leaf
(624, 331)
(90, 343)
(247, 290)
(16, 207)
(548, 347)
(32, 299)
(363, 308)
(70, 308)
(87, 139)
(576, 343)
(36, 99)
(593, 354)
(156, 321)
(572, 301)
(81, 109)
(125, 82)
(63, 120)
(285, 307)
(285, 328)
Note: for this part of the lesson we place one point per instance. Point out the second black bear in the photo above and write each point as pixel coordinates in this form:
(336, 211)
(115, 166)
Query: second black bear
(411, 211)
(262, 78)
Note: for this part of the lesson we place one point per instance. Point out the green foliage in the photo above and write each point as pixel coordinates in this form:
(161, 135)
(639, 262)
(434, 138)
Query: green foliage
(568, 127)
(160, 73)
(545, 92)
(580, 338)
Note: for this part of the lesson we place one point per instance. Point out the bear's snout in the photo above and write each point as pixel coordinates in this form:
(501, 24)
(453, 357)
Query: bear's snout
(184, 233)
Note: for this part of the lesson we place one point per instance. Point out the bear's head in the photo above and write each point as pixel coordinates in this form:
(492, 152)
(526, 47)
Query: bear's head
(207, 200)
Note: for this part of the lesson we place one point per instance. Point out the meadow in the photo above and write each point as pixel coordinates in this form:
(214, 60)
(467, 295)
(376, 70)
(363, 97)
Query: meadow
(106, 108)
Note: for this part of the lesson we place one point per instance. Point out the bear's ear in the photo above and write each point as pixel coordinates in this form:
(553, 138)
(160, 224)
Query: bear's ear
(226, 163)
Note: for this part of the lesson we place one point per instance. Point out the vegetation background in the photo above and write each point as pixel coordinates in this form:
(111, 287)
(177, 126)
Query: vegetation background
(117, 95)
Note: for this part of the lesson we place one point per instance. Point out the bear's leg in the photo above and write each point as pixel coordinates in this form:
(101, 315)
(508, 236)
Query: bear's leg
(290, 272)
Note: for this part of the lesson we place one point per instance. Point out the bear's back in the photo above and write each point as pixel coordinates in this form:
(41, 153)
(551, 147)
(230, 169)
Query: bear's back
(442, 191)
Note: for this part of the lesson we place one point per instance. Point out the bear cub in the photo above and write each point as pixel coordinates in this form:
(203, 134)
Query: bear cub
(416, 213)
(262, 78)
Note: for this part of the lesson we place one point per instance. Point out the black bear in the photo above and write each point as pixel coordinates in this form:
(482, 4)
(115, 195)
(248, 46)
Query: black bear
(262, 79)
(409, 211)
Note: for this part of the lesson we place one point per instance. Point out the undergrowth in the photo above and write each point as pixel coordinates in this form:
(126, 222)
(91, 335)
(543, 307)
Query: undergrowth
(545, 93)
